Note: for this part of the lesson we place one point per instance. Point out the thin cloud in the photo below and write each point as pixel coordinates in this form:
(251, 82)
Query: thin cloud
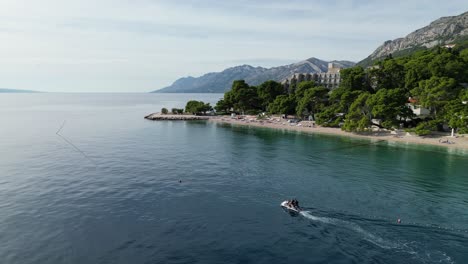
(144, 45)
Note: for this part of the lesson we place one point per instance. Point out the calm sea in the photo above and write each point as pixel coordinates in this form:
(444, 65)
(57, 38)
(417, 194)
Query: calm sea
(106, 189)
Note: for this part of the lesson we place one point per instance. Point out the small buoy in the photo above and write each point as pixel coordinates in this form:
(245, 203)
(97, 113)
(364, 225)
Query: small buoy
(398, 221)
(180, 181)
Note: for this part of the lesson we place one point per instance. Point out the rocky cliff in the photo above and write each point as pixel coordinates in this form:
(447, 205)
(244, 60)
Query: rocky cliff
(442, 31)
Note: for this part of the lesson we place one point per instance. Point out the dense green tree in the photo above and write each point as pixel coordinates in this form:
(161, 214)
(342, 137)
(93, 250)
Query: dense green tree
(330, 116)
(388, 105)
(197, 107)
(353, 79)
(456, 115)
(222, 106)
(447, 64)
(283, 104)
(177, 111)
(347, 99)
(390, 74)
(360, 114)
(244, 97)
(229, 99)
(301, 88)
(464, 95)
(464, 55)
(335, 95)
(340, 101)
(192, 107)
(436, 92)
(343, 98)
(425, 127)
(313, 101)
(417, 70)
(268, 91)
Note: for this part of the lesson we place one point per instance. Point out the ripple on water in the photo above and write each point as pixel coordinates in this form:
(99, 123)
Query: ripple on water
(128, 206)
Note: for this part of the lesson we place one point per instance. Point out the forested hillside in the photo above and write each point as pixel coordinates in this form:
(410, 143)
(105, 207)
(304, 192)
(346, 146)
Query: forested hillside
(435, 79)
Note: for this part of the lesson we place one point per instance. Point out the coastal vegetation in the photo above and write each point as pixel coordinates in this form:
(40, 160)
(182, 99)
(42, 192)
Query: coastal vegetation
(192, 107)
(177, 111)
(197, 107)
(382, 95)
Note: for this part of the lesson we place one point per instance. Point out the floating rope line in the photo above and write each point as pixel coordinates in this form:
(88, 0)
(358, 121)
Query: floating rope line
(58, 131)
(73, 145)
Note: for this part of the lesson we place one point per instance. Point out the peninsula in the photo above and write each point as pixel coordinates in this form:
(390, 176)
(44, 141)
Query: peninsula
(159, 116)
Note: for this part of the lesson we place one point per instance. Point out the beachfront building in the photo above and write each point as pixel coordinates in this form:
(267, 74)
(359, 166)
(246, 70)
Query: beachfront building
(417, 109)
(330, 79)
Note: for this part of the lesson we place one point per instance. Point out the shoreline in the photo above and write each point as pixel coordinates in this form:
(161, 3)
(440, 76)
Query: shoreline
(459, 143)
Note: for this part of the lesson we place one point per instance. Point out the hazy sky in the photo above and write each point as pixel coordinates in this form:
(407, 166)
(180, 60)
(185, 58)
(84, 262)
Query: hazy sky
(144, 45)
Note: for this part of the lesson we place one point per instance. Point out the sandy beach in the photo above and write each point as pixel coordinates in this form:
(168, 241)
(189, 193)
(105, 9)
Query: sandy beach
(442, 140)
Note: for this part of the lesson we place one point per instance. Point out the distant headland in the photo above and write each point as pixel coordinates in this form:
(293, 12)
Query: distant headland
(4, 90)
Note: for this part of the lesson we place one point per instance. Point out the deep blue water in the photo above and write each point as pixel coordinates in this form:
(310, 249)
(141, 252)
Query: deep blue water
(120, 200)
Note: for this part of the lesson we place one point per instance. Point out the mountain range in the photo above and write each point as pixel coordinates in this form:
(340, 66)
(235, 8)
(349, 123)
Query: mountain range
(445, 30)
(220, 82)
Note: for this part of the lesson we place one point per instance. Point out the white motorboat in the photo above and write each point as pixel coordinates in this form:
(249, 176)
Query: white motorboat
(290, 207)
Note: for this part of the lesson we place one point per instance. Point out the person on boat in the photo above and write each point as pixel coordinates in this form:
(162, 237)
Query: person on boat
(295, 203)
(291, 203)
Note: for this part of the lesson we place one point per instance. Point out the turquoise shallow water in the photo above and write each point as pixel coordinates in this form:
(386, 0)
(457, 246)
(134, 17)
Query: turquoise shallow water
(123, 203)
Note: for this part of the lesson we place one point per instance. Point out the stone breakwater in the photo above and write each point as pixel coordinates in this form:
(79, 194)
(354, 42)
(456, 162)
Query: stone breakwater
(159, 116)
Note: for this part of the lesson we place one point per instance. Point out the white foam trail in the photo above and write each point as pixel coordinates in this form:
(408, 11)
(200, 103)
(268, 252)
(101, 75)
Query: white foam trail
(413, 248)
(355, 227)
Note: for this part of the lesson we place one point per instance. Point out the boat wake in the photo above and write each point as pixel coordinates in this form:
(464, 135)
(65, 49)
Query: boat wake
(415, 249)
(374, 239)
